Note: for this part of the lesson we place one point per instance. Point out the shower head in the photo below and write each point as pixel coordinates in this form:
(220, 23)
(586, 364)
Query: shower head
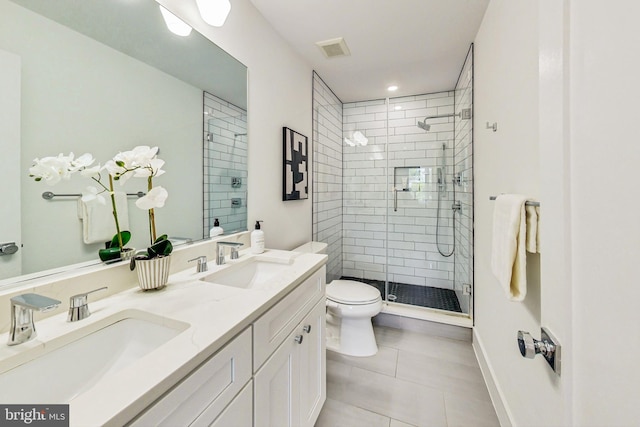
(465, 114)
(424, 125)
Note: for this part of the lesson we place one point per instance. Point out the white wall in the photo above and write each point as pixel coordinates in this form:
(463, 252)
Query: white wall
(604, 156)
(584, 139)
(280, 94)
(510, 161)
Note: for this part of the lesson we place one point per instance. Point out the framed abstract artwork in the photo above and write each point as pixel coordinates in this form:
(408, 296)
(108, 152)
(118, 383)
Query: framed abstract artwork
(295, 180)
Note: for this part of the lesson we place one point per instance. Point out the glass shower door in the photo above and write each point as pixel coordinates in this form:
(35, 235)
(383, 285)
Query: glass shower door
(421, 254)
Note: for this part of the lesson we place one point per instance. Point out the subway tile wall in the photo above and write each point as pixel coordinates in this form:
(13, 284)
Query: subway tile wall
(327, 174)
(225, 165)
(365, 191)
(464, 190)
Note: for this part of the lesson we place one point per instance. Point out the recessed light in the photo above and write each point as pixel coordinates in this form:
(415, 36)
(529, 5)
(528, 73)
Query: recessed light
(392, 88)
(397, 107)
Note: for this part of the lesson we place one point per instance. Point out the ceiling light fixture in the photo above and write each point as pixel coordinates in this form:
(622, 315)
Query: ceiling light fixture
(214, 12)
(392, 88)
(176, 25)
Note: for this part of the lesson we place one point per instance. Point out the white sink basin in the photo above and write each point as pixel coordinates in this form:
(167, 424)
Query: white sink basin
(62, 370)
(250, 274)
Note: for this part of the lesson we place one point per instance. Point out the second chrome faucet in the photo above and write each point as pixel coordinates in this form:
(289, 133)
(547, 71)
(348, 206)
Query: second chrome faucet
(220, 251)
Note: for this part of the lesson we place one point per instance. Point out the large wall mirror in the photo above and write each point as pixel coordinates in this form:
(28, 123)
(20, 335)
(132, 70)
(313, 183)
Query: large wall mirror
(102, 77)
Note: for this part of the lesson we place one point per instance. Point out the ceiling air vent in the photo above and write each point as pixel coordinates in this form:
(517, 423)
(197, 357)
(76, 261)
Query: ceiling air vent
(334, 47)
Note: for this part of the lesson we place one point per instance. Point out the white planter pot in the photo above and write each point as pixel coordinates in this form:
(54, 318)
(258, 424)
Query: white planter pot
(153, 273)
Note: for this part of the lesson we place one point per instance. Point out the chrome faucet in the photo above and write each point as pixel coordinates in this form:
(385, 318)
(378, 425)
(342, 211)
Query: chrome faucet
(79, 307)
(202, 264)
(220, 251)
(22, 327)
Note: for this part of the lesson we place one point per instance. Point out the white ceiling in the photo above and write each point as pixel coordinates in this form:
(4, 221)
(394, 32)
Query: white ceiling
(418, 45)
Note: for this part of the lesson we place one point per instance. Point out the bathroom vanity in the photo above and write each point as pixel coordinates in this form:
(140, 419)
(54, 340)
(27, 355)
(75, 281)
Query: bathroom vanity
(249, 350)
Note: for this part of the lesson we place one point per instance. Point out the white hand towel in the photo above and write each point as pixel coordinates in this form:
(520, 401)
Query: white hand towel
(98, 225)
(508, 257)
(533, 219)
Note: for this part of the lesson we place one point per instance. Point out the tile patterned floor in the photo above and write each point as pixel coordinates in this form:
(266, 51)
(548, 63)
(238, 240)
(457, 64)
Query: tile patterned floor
(423, 296)
(414, 380)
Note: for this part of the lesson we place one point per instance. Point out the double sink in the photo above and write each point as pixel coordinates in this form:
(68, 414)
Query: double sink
(70, 364)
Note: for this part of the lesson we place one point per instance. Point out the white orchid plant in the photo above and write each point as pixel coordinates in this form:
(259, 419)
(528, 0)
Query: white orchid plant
(142, 162)
(52, 170)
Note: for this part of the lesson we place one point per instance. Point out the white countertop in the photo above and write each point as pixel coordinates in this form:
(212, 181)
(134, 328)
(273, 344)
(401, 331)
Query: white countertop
(214, 315)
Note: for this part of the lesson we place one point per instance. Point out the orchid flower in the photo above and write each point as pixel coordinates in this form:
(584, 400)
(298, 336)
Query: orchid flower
(54, 169)
(153, 199)
(141, 162)
(92, 195)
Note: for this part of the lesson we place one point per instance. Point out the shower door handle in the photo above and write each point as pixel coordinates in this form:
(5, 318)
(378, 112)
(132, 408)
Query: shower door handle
(395, 199)
(8, 248)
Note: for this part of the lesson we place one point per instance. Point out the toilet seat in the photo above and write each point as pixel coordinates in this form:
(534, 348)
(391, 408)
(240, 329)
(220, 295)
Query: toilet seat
(352, 293)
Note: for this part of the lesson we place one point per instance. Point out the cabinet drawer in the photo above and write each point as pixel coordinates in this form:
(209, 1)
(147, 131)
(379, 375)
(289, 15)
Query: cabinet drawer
(209, 387)
(273, 327)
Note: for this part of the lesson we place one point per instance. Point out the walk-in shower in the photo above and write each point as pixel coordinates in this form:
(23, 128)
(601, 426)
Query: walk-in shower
(397, 212)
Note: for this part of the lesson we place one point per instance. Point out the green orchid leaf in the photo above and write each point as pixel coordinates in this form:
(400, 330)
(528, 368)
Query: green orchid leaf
(161, 247)
(126, 236)
(109, 254)
(163, 237)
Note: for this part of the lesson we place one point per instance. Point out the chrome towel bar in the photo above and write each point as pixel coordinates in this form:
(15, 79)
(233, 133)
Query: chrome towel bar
(48, 195)
(527, 203)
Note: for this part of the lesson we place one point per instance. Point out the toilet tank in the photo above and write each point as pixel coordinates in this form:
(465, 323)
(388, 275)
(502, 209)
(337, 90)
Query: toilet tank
(312, 247)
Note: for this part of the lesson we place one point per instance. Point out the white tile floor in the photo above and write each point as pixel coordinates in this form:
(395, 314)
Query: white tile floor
(414, 380)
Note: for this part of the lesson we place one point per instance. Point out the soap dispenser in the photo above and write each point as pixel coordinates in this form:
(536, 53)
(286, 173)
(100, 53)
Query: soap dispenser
(257, 240)
(216, 230)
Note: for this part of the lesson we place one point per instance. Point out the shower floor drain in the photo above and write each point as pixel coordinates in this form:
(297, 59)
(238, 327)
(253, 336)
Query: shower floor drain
(391, 297)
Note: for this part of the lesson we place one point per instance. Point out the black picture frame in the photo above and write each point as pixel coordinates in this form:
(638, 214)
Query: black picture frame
(295, 167)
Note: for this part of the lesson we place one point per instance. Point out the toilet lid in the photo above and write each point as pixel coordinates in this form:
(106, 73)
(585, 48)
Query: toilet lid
(352, 292)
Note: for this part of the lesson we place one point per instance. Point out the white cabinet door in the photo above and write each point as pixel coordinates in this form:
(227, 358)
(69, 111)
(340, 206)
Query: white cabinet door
(312, 386)
(290, 388)
(275, 386)
(206, 391)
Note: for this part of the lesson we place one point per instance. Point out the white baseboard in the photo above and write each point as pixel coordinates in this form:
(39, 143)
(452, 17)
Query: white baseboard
(497, 397)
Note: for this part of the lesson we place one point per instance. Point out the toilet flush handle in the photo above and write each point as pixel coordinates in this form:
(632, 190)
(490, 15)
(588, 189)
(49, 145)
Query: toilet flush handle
(332, 304)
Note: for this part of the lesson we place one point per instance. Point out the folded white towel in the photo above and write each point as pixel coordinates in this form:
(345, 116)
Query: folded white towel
(533, 219)
(98, 225)
(508, 257)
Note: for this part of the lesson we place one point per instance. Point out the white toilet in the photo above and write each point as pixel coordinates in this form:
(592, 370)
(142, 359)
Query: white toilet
(350, 307)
